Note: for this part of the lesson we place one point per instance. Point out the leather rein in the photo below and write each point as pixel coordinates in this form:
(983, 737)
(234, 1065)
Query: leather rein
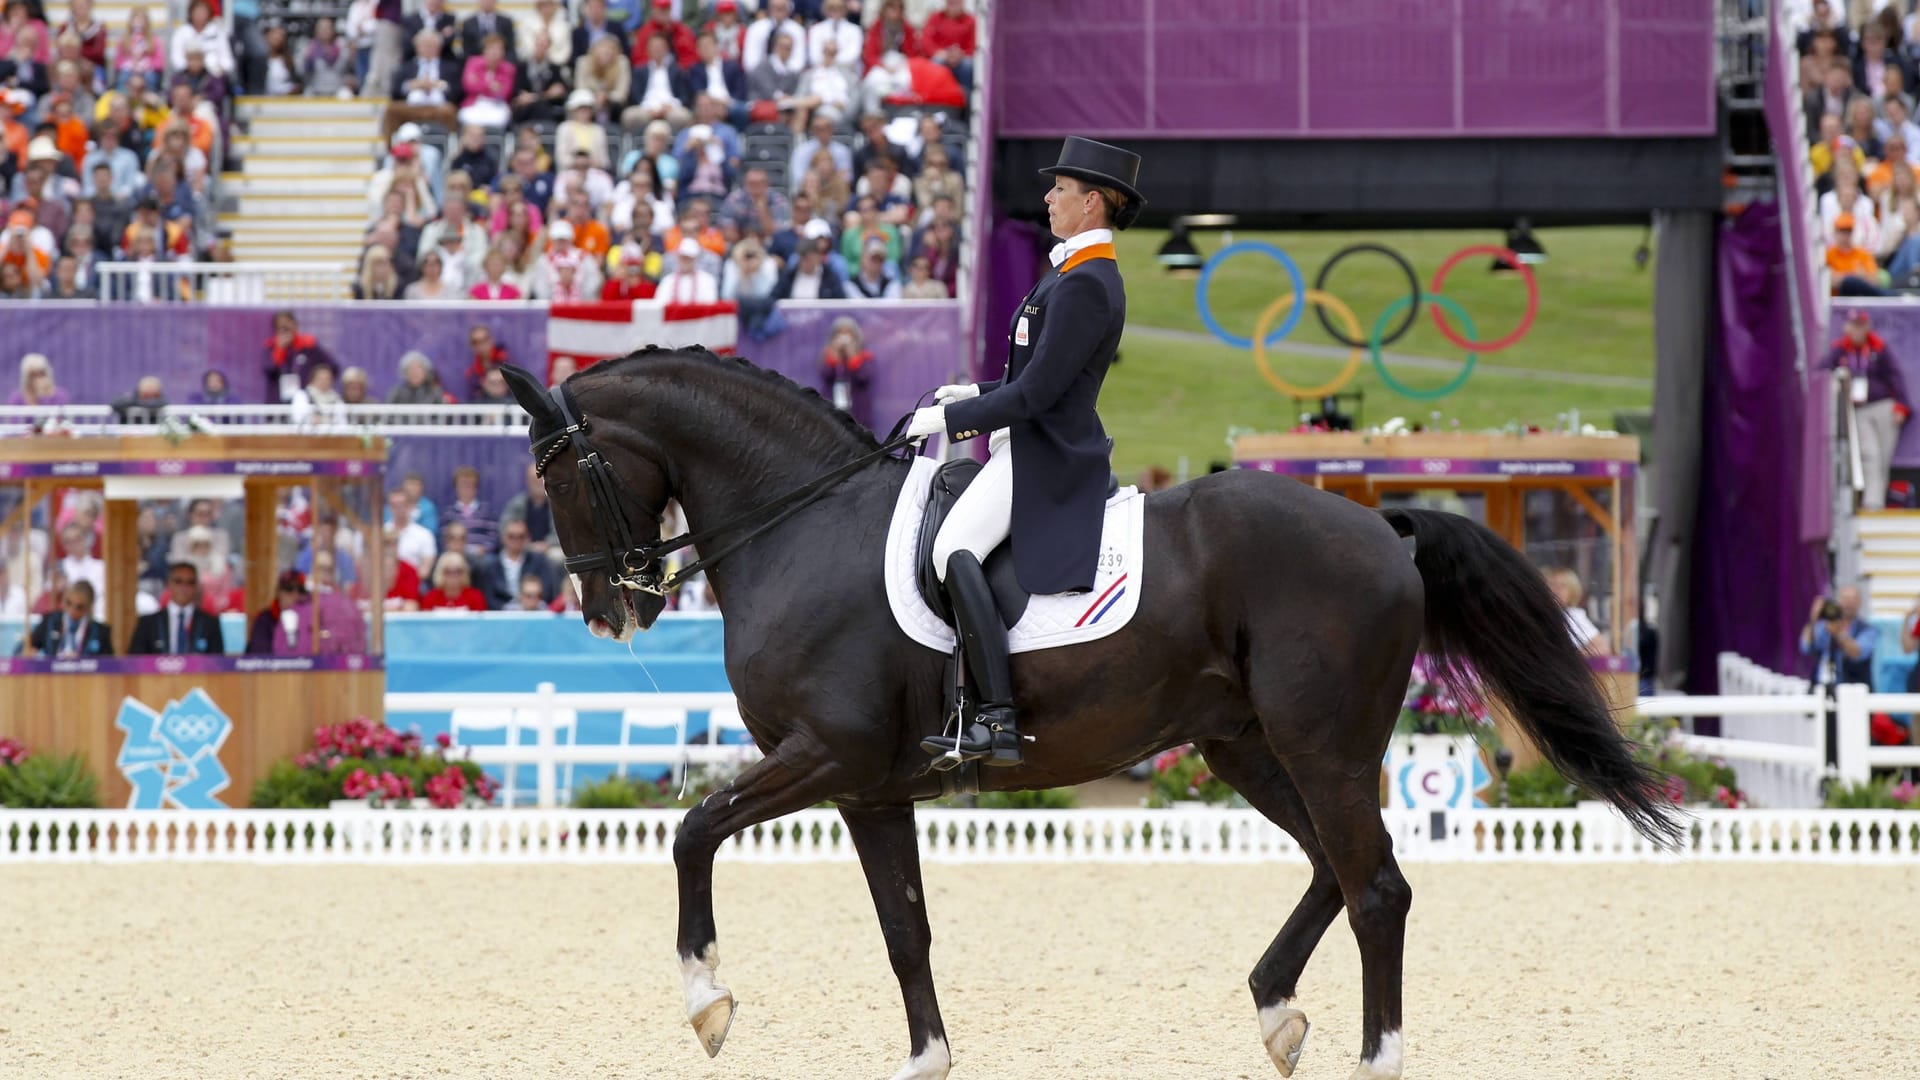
(631, 563)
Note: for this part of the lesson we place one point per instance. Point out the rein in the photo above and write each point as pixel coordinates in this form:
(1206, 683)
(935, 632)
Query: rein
(631, 564)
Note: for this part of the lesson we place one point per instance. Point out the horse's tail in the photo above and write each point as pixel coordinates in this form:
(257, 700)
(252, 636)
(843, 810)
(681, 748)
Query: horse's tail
(1493, 624)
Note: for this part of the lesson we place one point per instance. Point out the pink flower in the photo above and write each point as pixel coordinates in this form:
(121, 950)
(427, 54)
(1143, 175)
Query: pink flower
(1905, 792)
(448, 790)
(444, 739)
(358, 785)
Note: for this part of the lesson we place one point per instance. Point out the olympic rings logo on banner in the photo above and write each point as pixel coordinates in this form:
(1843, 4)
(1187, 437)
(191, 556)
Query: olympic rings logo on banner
(1406, 310)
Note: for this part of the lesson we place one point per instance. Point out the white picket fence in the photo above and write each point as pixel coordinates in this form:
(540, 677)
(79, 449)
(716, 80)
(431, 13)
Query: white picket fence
(1785, 737)
(1589, 833)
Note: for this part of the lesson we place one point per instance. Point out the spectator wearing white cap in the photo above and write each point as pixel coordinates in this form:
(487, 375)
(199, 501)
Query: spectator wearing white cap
(578, 132)
(875, 280)
(811, 277)
(688, 284)
(562, 250)
(411, 134)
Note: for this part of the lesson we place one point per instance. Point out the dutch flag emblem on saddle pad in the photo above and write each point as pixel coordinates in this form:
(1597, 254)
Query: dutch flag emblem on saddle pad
(1049, 621)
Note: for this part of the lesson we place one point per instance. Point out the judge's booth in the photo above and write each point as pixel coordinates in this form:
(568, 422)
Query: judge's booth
(188, 713)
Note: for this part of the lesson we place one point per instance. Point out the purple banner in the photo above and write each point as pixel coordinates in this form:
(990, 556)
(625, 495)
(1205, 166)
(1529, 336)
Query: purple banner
(99, 352)
(187, 665)
(1753, 577)
(1363, 68)
(1786, 123)
(1439, 467)
(916, 347)
(189, 468)
(1816, 460)
(1898, 324)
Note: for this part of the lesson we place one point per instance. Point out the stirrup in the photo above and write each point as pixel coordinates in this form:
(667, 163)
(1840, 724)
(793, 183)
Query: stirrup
(989, 744)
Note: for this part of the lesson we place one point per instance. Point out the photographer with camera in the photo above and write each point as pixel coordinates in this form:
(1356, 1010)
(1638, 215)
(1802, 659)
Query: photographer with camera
(1841, 642)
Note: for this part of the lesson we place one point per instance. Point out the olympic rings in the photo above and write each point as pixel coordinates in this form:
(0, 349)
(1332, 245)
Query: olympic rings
(1407, 308)
(1324, 300)
(1206, 281)
(1413, 290)
(1380, 363)
(1526, 275)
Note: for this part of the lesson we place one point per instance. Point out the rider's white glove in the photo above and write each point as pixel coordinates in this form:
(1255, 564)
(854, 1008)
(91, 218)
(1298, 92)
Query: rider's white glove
(947, 395)
(931, 420)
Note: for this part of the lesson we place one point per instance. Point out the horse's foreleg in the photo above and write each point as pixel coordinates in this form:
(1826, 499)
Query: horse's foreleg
(773, 786)
(890, 854)
(1250, 766)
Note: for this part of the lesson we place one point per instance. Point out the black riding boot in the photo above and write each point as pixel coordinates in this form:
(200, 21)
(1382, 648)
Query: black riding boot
(989, 734)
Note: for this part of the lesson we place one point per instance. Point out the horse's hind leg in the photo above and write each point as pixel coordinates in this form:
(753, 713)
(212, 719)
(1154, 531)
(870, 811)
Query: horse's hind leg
(890, 855)
(1249, 765)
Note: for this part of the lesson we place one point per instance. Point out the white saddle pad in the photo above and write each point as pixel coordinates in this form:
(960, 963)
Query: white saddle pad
(1049, 621)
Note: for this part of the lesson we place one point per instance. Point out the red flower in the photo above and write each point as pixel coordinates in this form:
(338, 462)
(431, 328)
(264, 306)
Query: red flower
(444, 739)
(358, 785)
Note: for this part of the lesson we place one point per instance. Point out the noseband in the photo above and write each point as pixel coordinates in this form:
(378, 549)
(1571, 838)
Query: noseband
(631, 563)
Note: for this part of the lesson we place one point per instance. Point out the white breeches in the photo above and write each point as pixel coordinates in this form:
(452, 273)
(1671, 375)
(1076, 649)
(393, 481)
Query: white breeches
(983, 515)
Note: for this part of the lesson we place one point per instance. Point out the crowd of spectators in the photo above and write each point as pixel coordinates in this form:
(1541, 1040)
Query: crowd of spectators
(1857, 84)
(603, 154)
(110, 139)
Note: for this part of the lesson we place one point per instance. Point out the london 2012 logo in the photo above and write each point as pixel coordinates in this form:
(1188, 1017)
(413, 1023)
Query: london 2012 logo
(172, 757)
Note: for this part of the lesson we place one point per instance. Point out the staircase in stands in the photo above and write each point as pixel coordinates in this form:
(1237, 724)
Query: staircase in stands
(300, 167)
(1890, 559)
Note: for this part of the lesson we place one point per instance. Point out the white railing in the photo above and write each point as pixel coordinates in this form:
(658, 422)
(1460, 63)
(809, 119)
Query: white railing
(542, 713)
(369, 419)
(1589, 833)
(223, 283)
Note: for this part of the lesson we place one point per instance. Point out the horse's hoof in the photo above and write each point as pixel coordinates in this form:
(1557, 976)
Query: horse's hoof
(1385, 1064)
(932, 1063)
(711, 1024)
(1285, 1032)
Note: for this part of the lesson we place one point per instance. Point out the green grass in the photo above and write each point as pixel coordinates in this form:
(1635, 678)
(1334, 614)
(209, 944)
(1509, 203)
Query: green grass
(1174, 397)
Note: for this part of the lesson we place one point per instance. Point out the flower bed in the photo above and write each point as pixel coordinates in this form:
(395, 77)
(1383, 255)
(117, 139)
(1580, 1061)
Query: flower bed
(364, 759)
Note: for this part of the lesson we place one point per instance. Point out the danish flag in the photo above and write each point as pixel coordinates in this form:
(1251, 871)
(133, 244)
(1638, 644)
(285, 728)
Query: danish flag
(594, 330)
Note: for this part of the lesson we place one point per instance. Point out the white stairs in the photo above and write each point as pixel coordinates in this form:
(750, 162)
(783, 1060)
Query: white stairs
(1890, 559)
(300, 192)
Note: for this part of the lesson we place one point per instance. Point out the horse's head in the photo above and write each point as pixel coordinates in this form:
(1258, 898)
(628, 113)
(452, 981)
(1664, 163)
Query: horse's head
(587, 521)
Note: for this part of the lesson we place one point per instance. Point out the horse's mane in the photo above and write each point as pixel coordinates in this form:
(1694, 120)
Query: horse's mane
(804, 397)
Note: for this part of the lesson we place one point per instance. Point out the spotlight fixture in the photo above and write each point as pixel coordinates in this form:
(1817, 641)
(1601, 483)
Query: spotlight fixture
(1178, 255)
(1521, 241)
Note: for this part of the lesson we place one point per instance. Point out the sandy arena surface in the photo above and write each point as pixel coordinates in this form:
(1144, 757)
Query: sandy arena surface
(1698, 972)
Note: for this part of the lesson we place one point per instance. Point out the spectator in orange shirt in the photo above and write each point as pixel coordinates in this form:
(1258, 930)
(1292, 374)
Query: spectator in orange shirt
(69, 132)
(696, 224)
(589, 235)
(1855, 273)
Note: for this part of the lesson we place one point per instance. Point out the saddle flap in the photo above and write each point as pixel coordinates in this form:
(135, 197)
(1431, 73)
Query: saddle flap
(949, 481)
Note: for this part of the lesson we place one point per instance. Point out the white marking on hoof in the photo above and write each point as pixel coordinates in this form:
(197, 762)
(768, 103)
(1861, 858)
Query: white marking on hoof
(709, 1005)
(1284, 1030)
(932, 1063)
(1384, 1065)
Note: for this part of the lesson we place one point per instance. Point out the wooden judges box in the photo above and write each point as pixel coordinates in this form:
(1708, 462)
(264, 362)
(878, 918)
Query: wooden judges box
(192, 731)
(1564, 500)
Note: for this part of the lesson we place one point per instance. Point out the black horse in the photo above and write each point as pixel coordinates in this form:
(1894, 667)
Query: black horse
(1277, 631)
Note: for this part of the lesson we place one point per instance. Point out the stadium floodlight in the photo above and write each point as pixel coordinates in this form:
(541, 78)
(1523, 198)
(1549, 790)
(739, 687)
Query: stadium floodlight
(1178, 255)
(1521, 241)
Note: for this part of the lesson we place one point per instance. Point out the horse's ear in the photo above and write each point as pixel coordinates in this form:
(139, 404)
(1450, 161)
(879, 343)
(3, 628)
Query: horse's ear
(528, 392)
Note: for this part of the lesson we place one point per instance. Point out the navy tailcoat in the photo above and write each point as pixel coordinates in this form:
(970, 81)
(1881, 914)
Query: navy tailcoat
(1063, 338)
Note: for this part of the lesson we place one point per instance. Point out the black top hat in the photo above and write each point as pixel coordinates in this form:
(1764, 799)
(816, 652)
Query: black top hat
(1103, 165)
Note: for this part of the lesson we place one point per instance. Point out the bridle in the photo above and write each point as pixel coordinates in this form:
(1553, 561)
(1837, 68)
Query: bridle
(632, 563)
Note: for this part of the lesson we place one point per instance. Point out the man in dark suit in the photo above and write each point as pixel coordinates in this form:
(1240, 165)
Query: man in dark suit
(433, 15)
(1045, 481)
(180, 628)
(488, 20)
(72, 631)
(718, 78)
(500, 575)
(595, 25)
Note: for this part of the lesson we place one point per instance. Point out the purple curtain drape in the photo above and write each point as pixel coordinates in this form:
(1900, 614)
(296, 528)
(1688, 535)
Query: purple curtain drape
(1753, 574)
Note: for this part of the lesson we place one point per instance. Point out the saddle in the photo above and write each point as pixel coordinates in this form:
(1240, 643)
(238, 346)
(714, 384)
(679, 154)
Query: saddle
(949, 481)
